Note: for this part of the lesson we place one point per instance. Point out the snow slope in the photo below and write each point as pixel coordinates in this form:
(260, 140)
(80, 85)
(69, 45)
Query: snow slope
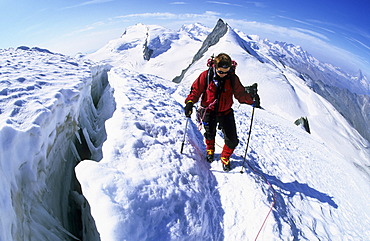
(53, 112)
(132, 48)
(144, 189)
(348, 93)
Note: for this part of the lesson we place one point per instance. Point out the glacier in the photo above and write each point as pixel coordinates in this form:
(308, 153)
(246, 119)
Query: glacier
(53, 109)
(115, 117)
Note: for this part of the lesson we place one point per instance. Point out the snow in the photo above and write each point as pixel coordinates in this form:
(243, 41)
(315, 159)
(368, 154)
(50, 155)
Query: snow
(44, 99)
(128, 51)
(157, 193)
(160, 193)
(123, 116)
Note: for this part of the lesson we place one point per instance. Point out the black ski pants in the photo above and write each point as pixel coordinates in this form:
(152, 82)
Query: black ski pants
(226, 124)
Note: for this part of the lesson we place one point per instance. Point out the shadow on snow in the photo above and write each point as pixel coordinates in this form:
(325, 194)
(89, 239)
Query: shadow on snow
(284, 193)
(211, 212)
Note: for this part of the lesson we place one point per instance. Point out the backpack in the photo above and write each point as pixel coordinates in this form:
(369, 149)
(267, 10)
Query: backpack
(210, 74)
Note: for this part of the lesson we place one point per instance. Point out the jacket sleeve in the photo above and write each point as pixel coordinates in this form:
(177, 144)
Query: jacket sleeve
(198, 88)
(240, 94)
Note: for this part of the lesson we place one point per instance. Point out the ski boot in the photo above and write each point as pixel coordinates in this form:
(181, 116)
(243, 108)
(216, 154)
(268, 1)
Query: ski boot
(226, 164)
(210, 156)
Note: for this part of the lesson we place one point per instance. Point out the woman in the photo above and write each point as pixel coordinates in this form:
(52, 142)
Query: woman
(216, 87)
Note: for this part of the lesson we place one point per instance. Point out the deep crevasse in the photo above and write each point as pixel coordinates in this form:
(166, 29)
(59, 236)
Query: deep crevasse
(60, 106)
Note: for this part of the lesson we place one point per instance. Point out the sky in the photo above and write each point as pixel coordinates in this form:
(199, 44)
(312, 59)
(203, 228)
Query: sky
(336, 32)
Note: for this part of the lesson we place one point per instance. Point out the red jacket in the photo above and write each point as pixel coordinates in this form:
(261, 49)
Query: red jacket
(209, 93)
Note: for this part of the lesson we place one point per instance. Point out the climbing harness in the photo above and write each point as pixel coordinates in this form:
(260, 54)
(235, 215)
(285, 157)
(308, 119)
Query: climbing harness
(201, 113)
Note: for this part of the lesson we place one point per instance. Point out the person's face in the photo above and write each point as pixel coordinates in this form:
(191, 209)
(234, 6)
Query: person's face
(222, 72)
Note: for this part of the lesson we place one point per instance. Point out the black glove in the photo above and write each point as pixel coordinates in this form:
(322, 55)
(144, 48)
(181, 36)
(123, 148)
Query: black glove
(256, 102)
(188, 108)
(252, 90)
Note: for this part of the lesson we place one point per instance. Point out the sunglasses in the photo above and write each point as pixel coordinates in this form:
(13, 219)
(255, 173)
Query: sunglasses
(222, 72)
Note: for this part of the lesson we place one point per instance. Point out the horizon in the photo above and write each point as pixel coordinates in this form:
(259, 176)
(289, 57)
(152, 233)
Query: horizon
(333, 33)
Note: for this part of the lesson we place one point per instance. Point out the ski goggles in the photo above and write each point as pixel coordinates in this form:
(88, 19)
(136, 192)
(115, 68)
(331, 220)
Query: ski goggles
(222, 72)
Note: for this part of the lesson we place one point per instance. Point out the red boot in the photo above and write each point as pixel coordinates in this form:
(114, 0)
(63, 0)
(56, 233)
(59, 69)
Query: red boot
(225, 164)
(225, 158)
(210, 150)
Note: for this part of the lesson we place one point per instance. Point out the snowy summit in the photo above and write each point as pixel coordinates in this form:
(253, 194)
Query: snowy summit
(90, 146)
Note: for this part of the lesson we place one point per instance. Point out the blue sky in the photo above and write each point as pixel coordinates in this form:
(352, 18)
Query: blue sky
(334, 31)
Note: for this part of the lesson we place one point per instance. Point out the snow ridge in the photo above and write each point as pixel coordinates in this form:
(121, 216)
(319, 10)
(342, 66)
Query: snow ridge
(159, 189)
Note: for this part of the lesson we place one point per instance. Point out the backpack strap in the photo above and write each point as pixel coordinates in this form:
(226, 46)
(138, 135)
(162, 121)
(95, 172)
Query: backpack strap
(232, 79)
(210, 74)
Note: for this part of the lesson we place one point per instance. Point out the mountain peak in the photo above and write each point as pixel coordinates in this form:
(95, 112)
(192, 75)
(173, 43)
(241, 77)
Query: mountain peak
(25, 48)
(196, 30)
(135, 28)
(194, 26)
(360, 75)
(213, 38)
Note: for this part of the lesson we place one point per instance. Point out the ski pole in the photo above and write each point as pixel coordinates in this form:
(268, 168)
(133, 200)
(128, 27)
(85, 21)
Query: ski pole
(183, 141)
(249, 137)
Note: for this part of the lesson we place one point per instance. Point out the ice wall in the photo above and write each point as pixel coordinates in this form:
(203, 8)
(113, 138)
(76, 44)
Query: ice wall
(51, 118)
(95, 110)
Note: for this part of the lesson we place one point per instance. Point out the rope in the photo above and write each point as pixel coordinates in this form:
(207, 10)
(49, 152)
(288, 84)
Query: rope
(201, 113)
(270, 187)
